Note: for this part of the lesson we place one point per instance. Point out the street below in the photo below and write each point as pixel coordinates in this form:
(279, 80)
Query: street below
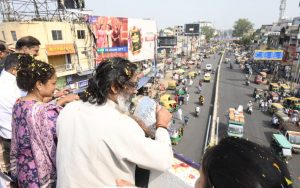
(192, 143)
(258, 128)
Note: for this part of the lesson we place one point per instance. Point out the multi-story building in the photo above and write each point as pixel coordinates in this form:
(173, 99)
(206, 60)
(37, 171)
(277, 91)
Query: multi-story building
(178, 30)
(67, 46)
(206, 23)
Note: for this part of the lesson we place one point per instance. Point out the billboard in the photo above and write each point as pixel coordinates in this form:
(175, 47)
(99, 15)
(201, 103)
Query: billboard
(111, 34)
(192, 29)
(142, 37)
(133, 39)
(268, 55)
(167, 41)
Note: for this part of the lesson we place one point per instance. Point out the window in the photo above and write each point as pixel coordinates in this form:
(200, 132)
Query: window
(68, 59)
(56, 35)
(3, 35)
(14, 35)
(80, 34)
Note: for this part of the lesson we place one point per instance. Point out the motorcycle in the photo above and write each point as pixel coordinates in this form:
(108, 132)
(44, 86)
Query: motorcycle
(247, 82)
(231, 66)
(197, 112)
(201, 101)
(249, 110)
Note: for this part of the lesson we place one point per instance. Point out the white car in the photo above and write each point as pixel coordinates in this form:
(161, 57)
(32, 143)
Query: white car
(208, 67)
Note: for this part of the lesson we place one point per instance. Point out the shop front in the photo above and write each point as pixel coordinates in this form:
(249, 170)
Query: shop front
(63, 58)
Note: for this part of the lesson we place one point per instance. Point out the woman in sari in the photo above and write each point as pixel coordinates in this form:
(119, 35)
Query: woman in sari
(33, 145)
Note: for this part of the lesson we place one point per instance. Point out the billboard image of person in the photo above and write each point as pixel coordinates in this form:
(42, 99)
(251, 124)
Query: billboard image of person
(142, 38)
(111, 35)
(115, 36)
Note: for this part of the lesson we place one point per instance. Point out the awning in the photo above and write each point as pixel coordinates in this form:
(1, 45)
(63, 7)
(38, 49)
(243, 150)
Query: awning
(144, 80)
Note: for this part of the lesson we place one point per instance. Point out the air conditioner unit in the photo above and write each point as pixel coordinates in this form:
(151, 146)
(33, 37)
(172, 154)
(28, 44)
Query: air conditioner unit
(69, 66)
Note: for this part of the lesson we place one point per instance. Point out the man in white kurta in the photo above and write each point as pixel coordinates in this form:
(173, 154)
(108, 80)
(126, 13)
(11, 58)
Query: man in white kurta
(99, 143)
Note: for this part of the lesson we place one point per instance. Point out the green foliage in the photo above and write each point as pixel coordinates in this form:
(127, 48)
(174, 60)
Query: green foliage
(241, 27)
(246, 40)
(208, 32)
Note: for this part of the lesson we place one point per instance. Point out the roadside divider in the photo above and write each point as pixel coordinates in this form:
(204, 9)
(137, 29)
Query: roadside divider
(213, 132)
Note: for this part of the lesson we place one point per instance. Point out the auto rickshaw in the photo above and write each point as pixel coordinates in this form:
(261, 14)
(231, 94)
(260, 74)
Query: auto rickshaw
(281, 147)
(274, 87)
(168, 103)
(274, 96)
(291, 101)
(176, 135)
(179, 71)
(258, 79)
(296, 106)
(192, 74)
(165, 97)
(276, 107)
(285, 88)
(172, 84)
(282, 117)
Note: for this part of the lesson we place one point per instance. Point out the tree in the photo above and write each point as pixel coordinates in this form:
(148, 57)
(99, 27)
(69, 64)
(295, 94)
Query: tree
(241, 27)
(208, 32)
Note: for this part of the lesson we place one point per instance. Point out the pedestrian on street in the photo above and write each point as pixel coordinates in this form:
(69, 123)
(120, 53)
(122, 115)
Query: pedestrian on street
(186, 120)
(199, 72)
(173, 121)
(190, 82)
(199, 89)
(262, 106)
(185, 89)
(179, 114)
(269, 103)
(183, 81)
(200, 83)
(266, 106)
(187, 97)
(256, 97)
(180, 100)
(176, 98)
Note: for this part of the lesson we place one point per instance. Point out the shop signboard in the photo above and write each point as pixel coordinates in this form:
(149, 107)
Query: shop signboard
(60, 49)
(83, 83)
(268, 55)
(133, 39)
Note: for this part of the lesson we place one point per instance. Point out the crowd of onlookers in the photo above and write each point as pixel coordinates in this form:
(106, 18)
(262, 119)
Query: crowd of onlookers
(52, 138)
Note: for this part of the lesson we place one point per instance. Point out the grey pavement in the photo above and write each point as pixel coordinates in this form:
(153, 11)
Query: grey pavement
(192, 143)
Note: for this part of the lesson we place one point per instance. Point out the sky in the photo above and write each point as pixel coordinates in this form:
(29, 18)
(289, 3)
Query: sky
(222, 13)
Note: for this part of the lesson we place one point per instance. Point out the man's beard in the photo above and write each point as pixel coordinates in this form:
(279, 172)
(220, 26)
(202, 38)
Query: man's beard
(124, 102)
